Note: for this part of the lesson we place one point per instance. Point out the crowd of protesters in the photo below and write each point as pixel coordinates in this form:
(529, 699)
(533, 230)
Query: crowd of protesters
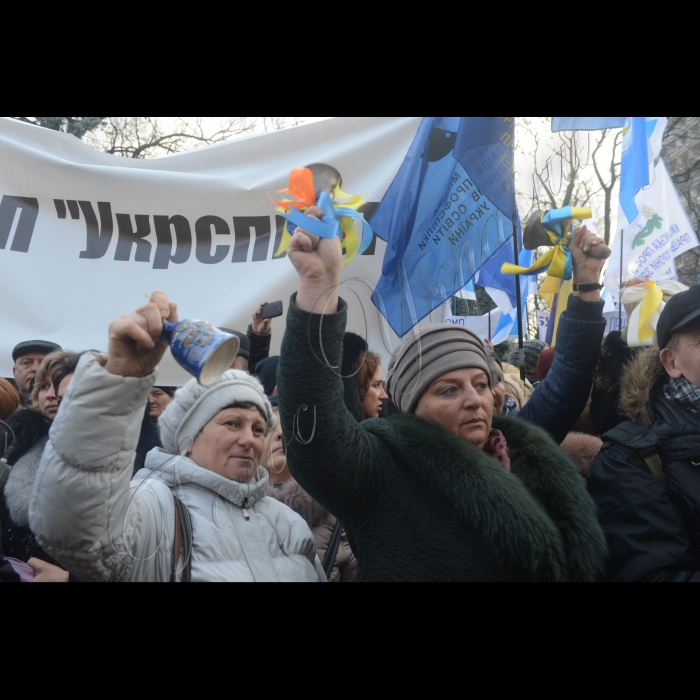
(312, 467)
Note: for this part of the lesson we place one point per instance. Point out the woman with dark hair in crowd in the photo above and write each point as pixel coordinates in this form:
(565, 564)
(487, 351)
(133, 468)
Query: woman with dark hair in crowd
(158, 400)
(445, 492)
(363, 381)
(372, 385)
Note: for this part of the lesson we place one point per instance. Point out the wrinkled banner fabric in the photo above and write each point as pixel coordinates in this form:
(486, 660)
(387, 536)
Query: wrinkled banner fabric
(448, 211)
(85, 236)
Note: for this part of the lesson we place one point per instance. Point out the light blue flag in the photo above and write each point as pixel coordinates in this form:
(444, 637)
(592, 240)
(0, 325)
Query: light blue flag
(637, 164)
(587, 123)
(641, 146)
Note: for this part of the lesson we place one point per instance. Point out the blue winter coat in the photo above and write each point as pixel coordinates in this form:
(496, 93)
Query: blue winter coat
(559, 400)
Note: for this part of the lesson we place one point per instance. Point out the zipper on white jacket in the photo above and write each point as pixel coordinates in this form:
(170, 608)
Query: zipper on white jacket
(246, 514)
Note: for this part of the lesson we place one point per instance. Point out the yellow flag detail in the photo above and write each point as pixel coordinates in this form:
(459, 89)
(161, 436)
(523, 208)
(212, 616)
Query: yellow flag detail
(652, 301)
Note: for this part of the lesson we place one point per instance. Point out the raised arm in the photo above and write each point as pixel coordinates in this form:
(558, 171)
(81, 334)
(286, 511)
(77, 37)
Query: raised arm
(260, 337)
(82, 510)
(334, 459)
(561, 398)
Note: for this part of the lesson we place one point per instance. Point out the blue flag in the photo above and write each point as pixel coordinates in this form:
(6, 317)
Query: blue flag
(502, 288)
(449, 210)
(587, 123)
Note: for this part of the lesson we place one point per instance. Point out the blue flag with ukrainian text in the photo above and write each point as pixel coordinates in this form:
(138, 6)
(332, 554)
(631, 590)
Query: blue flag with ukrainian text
(450, 209)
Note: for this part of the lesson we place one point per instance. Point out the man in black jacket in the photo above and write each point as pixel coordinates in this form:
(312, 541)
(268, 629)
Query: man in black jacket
(646, 480)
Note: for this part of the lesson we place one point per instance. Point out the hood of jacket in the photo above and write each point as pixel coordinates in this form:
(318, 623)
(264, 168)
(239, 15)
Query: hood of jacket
(643, 381)
(538, 519)
(294, 497)
(29, 428)
(178, 472)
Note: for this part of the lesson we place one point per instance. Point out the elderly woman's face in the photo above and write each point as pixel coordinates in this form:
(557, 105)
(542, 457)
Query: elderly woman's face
(274, 459)
(461, 402)
(231, 444)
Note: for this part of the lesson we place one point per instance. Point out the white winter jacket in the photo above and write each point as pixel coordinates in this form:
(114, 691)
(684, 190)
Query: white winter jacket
(100, 525)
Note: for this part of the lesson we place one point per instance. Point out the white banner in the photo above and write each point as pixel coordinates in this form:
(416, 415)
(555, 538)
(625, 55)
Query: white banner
(649, 246)
(479, 324)
(86, 236)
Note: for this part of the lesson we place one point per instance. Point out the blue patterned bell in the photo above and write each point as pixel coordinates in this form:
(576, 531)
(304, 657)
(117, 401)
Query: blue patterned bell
(201, 349)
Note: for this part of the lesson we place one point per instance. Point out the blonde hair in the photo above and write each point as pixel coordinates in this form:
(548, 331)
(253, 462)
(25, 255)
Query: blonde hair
(523, 390)
(48, 367)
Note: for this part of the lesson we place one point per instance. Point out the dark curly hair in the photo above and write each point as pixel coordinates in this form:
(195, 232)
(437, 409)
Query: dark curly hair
(367, 366)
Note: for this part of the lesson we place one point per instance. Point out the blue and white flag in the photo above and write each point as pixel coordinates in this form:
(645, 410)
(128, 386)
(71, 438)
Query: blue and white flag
(448, 211)
(501, 288)
(641, 147)
(587, 123)
(649, 245)
(468, 293)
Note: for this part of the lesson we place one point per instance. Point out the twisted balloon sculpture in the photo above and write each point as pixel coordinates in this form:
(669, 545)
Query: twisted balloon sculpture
(340, 219)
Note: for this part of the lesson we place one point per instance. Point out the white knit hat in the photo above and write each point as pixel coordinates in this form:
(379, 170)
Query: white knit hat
(194, 406)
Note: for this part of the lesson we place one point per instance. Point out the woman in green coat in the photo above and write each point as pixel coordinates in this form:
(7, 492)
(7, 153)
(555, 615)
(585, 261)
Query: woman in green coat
(444, 492)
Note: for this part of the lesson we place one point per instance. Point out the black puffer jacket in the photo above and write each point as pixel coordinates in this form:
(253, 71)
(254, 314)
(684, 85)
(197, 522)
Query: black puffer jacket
(559, 400)
(29, 428)
(652, 527)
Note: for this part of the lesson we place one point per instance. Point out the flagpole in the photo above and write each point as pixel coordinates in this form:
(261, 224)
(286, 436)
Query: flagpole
(622, 271)
(518, 296)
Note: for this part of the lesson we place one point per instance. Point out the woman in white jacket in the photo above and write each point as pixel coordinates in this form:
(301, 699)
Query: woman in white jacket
(203, 495)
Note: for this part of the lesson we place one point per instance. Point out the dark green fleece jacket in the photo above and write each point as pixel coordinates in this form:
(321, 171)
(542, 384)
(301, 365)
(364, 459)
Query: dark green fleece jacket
(418, 503)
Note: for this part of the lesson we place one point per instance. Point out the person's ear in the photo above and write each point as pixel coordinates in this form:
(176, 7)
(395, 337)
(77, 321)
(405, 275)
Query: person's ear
(669, 360)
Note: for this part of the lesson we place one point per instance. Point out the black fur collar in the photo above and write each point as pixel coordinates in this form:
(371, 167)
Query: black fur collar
(539, 518)
(29, 428)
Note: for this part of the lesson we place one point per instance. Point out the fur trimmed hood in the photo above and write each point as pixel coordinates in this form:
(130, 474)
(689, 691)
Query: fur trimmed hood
(295, 498)
(643, 379)
(582, 451)
(538, 520)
